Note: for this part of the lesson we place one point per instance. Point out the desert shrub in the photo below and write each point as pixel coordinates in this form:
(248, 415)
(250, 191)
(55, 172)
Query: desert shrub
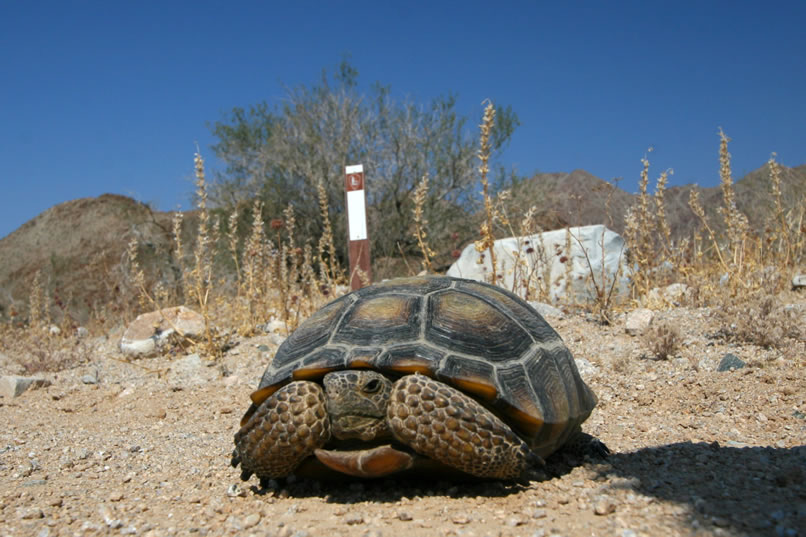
(285, 155)
(662, 339)
(762, 321)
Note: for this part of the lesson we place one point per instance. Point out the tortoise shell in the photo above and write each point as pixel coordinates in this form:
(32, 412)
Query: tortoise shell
(476, 337)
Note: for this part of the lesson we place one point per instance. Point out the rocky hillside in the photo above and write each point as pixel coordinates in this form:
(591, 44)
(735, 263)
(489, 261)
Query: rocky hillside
(579, 198)
(80, 248)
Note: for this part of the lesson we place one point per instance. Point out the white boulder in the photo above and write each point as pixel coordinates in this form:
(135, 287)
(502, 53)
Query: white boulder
(150, 331)
(544, 261)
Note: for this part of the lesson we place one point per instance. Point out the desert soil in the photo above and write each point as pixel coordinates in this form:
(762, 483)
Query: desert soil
(114, 447)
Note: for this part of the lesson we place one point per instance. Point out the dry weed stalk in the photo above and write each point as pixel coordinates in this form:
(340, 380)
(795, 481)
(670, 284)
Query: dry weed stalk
(664, 232)
(648, 234)
(251, 284)
(330, 269)
(420, 223)
(570, 290)
(786, 236)
(36, 302)
(532, 270)
(202, 273)
(603, 289)
(699, 212)
(232, 243)
(179, 253)
(137, 274)
(487, 241)
(735, 222)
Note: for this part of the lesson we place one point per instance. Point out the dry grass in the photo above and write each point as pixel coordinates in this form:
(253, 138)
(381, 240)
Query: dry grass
(240, 273)
(762, 320)
(420, 223)
(663, 340)
(487, 240)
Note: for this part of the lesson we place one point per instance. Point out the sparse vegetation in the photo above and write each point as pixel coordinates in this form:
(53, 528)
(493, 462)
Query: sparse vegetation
(254, 262)
(663, 340)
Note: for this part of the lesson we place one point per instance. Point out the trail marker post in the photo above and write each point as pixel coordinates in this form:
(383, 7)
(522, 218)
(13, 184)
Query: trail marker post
(358, 238)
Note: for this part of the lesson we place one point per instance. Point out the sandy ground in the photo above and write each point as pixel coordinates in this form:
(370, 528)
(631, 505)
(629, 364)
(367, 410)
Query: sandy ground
(145, 451)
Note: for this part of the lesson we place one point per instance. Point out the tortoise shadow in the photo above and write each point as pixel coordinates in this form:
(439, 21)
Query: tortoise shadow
(730, 490)
(339, 488)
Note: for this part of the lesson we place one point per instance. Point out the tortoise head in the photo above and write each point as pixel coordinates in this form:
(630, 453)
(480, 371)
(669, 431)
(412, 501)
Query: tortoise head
(357, 402)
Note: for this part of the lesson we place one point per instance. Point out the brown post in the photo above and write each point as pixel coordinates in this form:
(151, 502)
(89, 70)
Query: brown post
(357, 236)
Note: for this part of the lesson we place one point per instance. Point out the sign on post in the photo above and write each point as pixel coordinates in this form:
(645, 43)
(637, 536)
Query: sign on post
(358, 238)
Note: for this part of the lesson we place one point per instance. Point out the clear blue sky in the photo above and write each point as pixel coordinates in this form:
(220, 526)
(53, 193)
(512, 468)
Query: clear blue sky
(100, 97)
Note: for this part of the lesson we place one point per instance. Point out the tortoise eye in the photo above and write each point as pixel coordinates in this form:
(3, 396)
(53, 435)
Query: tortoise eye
(372, 386)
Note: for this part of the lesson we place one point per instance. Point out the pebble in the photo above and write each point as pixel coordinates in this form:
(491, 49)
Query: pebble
(603, 506)
(515, 521)
(730, 361)
(353, 519)
(235, 491)
(31, 513)
(539, 513)
(461, 518)
(251, 520)
(404, 516)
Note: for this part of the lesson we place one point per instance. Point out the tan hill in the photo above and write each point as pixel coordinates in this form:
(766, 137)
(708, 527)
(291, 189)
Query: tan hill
(579, 198)
(80, 248)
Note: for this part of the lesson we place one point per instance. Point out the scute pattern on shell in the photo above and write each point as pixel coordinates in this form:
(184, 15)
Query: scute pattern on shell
(473, 336)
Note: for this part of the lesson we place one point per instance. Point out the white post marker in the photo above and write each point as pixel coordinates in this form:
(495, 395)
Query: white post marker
(358, 238)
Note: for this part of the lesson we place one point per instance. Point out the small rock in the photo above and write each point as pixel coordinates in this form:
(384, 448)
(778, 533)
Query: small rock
(14, 386)
(514, 521)
(54, 330)
(150, 331)
(603, 506)
(274, 326)
(90, 378)
(586, 369)
(799, 281)
(730, 361)
(30, 513)
(82, 332)
(251, 521)
(461, 518)
(547, 310)
(108, 515)
(235, 490)
(353, 519)
(539, 513)
(404, 516)
(638, 321)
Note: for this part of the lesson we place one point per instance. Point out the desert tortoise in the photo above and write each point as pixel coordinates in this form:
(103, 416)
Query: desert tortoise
(414, 371)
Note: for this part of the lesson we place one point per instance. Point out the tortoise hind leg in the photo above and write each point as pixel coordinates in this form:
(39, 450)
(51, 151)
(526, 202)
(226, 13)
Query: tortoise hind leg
(582, 445)
(285, 430)
(446, 425)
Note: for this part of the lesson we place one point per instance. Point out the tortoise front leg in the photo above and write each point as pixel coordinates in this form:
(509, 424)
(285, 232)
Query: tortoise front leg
(444, 424)
(285, 430)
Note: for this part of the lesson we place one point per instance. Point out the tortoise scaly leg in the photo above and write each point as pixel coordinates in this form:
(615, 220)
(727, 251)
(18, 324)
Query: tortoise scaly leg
(287, 428)
(446, 425)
